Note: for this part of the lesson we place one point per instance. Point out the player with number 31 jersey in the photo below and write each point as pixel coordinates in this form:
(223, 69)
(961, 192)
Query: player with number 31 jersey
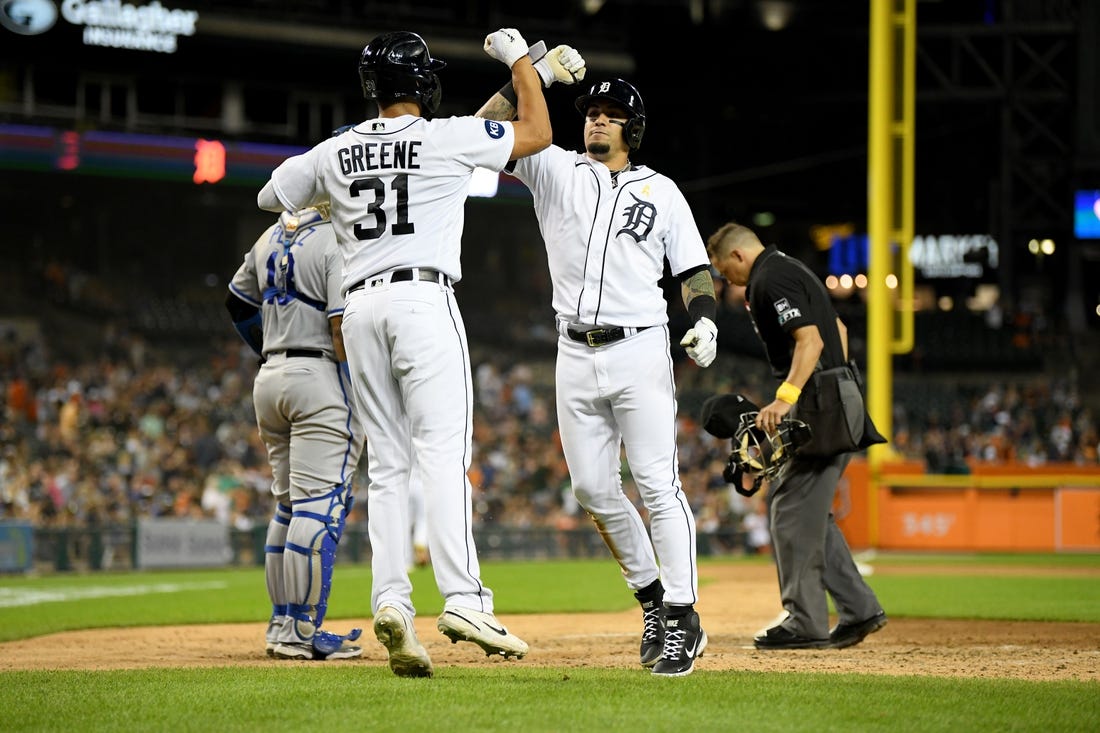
(400, 185)
(397, 184)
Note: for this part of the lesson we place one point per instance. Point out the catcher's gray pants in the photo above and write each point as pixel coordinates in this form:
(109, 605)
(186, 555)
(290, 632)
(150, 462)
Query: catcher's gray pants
(811, 554)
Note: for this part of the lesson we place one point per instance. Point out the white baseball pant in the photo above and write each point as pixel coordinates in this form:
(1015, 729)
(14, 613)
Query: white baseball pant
(624, 394)
(410, 365)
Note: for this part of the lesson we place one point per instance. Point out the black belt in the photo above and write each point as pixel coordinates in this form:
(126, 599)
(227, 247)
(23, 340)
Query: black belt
(311, 353)
(397, 276)
(601, 336)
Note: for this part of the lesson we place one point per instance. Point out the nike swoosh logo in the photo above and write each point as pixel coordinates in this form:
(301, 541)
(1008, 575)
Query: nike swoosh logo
(691, 650)
(502, 632)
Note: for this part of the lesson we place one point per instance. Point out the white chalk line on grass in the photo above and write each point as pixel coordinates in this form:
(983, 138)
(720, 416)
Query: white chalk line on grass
(12, 597)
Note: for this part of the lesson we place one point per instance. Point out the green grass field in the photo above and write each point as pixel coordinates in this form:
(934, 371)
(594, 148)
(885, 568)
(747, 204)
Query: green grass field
(514, 698)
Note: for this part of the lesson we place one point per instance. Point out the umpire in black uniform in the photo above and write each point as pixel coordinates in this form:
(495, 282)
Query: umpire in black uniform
(801, 332)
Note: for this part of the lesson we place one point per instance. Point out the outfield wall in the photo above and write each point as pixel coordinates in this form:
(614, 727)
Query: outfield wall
(1004, 508)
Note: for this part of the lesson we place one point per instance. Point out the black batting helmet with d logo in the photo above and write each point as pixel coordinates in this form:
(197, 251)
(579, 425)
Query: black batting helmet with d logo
(625, 95)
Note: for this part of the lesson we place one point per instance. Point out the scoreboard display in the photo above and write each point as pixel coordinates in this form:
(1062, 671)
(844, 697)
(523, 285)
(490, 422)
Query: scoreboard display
(182, 159)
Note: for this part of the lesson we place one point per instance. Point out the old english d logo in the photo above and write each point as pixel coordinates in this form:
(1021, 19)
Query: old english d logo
(640, 216)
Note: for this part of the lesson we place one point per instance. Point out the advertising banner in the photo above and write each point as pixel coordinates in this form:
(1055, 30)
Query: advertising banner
(182, 543)
(16, 547)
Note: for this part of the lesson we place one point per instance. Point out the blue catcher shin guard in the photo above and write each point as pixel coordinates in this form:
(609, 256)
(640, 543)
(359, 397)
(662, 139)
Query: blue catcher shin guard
(274, 547)
(315, 530)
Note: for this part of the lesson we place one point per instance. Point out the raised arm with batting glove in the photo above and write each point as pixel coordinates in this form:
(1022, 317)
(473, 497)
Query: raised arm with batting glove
(531, 123)
(562, 64)
(506, 46)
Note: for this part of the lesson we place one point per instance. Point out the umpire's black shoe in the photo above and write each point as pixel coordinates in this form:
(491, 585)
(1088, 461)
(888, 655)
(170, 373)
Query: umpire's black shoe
(780, 637)
(685, 640)
(845, 635)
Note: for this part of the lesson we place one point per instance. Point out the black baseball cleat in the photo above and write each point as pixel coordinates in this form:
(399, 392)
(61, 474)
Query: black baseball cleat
(845, 635)
(653, 632)
(780, 637)
(685, 641)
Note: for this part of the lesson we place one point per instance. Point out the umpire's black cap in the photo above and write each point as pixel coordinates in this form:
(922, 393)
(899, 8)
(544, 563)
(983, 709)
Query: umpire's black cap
(721, 414)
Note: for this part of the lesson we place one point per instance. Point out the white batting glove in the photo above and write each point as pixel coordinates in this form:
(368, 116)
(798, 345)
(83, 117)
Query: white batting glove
(506, 46)
(701, 342)
(563, 64)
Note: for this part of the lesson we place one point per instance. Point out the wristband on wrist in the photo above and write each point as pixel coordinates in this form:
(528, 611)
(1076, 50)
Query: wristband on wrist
(702, 306)
(509, 92)
(546, 74)
(788, 393)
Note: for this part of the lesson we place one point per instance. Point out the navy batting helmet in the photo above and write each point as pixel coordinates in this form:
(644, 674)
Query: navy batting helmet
(398, 66)
(625, 95)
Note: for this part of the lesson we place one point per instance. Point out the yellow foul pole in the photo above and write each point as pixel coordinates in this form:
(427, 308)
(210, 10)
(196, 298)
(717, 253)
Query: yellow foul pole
(889, 215)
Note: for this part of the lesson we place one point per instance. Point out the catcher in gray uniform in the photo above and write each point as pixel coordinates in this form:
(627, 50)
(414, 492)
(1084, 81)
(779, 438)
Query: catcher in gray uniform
(285, 302)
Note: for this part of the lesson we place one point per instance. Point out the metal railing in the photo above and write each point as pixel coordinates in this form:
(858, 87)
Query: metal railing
(113, 547)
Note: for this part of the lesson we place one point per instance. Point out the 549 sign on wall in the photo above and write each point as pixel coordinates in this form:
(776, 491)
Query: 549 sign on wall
(108, 23)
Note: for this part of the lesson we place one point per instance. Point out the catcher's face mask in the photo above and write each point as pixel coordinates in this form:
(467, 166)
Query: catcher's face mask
(756, 455)
(761, 455)
(764, 454)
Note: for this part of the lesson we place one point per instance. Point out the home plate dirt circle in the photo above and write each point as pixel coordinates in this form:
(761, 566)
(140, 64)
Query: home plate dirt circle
(736, 601)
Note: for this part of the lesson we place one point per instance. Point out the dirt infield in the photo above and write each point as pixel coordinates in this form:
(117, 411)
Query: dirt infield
(737, 600)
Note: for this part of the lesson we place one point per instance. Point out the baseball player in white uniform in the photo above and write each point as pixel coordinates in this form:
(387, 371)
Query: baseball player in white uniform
(398, 184)
(609, 225)
(286, 302)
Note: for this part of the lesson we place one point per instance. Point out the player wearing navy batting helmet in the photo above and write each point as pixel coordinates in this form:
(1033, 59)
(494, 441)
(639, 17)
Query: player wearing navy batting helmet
(397, 183)
(609, 226)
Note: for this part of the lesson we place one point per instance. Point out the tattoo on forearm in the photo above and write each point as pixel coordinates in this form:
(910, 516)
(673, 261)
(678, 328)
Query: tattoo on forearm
(701, 283)
(497, 108)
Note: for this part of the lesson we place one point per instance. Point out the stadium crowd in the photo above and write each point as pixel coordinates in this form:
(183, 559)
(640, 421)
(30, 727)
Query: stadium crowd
(135, 433)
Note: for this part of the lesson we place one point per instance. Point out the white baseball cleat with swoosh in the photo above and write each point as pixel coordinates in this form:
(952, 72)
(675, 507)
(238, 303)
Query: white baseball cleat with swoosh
(483, 629)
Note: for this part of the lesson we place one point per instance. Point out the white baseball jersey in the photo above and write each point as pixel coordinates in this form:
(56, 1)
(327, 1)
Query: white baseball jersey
(606, 243)
(397, 188)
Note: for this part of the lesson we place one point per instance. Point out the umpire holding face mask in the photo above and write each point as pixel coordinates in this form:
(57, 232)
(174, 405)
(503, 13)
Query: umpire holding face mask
(800, 330)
